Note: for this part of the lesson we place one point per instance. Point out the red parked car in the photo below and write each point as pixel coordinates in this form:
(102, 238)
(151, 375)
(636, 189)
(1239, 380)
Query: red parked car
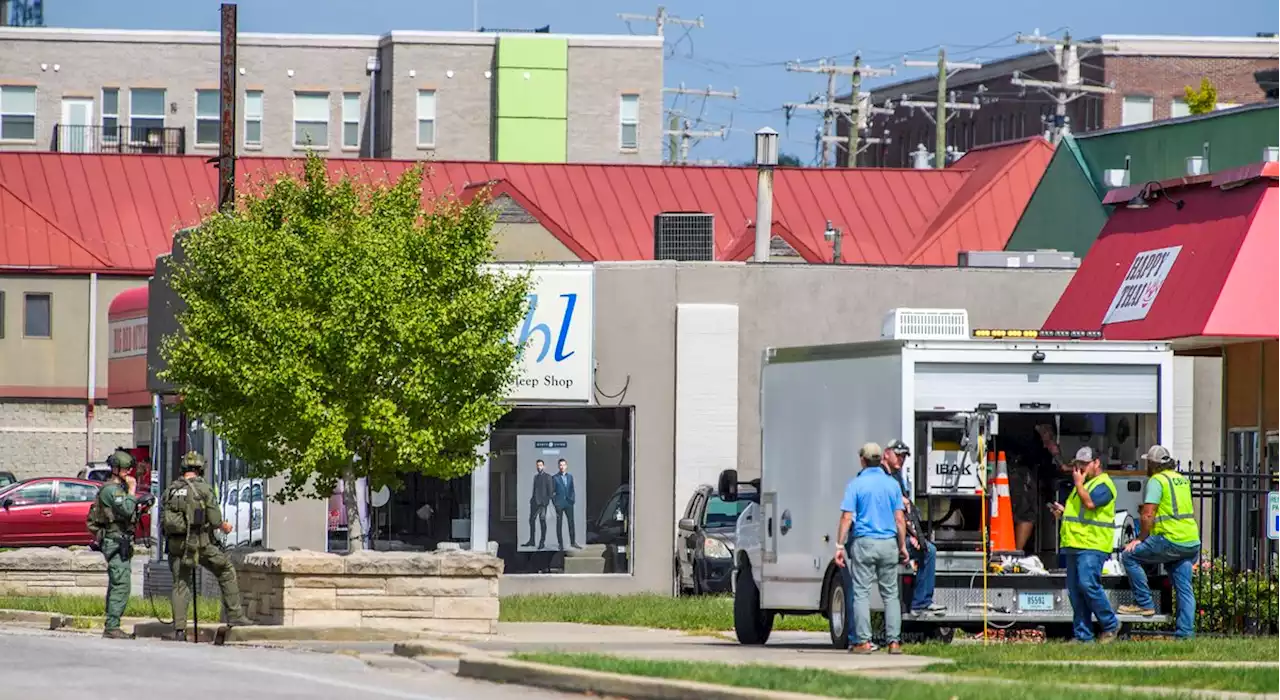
(49, 511)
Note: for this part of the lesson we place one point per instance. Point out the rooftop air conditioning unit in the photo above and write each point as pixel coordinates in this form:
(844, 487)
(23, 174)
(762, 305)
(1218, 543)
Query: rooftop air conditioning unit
(1116, 177)
(684, 236)
(926, 324)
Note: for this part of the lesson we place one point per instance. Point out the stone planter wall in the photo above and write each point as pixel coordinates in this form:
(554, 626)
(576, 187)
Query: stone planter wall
(412, 591)
(47, 571)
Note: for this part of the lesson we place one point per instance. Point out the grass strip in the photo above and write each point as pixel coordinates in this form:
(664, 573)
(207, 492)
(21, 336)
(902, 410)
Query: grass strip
(1198, 649)
(694, 614)
(95, 606)
(818, 682)
(1249, 680)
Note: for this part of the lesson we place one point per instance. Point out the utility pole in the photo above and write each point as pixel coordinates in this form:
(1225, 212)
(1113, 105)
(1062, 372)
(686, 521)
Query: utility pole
(661, 20)
(1067, 88)
(941, 102)
(829, 106)
(680, 135)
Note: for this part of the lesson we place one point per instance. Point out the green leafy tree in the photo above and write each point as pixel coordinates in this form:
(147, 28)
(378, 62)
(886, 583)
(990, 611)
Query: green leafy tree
(335, 330)
(1201, 101)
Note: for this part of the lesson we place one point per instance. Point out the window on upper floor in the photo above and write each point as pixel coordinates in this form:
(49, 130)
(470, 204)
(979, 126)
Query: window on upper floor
(17, 113)
(37, 315)
(426, 118)
(110, 115)
(208, 109)
(629, 122)
(253, 119)
(1136, 109)
(1179, 108)
(350, 120)
(1226, 105)
(146, 112)
(311, 120)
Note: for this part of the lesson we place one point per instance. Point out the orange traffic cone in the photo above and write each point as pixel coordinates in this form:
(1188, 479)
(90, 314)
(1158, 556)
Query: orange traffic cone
(1002, 540)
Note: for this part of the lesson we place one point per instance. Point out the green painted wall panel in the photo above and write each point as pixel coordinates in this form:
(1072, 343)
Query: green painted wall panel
(1066, 211)
(533, 52)
(525, 140)
(543, 94)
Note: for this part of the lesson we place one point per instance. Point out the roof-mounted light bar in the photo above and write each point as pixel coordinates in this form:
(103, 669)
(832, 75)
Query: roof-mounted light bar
(1018, 334)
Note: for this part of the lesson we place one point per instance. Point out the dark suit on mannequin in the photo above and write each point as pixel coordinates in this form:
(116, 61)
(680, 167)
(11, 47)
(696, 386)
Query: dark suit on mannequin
(565, 498)
(540, 497)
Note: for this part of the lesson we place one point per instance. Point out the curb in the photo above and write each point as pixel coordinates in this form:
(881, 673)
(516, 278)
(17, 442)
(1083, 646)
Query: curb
(432, 648)
(220, 633)
(576, 680)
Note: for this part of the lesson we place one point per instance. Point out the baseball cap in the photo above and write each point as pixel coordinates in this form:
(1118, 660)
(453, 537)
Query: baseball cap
(1084, 455)
(1158, 454)
(898, 446)
(870, 452)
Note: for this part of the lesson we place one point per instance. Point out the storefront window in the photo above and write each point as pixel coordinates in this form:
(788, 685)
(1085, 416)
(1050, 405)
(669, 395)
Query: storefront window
(560, 490)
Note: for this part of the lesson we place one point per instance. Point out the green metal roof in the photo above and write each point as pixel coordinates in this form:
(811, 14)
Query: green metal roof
(1066, 212)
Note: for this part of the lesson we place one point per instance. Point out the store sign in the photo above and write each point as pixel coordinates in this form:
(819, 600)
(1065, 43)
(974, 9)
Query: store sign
(557, 334)
(1141, 286)
(128, 338)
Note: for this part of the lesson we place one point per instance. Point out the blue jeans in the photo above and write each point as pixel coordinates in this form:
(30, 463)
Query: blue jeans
(873, 562)
(1088, 599)
(1178, 559)
(922, 595)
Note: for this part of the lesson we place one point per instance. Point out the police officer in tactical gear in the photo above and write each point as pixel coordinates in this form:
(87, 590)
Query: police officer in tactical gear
(191, 517)
(111, 520)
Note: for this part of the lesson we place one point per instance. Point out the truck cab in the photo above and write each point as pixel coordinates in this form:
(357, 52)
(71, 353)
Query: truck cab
(959, 399)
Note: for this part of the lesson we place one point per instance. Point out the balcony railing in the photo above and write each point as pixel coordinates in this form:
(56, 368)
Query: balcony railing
(74, 138)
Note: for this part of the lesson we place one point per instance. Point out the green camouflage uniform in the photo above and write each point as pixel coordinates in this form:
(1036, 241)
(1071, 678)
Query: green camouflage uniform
(111, 517)
(190, 546)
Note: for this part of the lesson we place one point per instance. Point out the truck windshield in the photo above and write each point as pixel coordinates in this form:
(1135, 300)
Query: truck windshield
(722, 513)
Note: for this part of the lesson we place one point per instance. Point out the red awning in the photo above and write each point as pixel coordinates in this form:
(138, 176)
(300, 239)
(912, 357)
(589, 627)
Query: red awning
(1204, 272)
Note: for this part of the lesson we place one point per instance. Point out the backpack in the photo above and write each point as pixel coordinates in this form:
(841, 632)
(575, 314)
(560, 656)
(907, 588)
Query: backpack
(180, 503)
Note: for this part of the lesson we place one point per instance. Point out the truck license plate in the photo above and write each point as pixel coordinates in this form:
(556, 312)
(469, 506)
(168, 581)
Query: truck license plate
(1035, 601)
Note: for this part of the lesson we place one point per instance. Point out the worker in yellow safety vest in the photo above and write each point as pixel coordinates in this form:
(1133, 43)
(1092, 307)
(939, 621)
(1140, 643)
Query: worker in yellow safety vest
(1087, 539)
(1169, 536)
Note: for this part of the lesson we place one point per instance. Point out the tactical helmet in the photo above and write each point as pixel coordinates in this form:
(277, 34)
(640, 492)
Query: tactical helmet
(193, 461)
(120, 459)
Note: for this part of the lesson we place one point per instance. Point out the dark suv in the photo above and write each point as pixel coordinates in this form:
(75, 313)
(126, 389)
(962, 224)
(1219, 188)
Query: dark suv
(706, 540)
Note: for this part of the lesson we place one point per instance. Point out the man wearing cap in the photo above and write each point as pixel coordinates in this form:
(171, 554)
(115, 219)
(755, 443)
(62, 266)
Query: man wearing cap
(873, 505)
(921, 549)
(1169, 536)
(1088, 536)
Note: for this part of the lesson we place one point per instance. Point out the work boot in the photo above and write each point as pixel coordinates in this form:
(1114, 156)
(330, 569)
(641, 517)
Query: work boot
(180, 635)
(895, 648)
(240, 621)
(115, 633)
(862, 649)
(1107, 637)
(1135, 610)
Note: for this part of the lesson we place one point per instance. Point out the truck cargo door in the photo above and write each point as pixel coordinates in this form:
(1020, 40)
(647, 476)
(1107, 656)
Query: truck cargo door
(1056, 388)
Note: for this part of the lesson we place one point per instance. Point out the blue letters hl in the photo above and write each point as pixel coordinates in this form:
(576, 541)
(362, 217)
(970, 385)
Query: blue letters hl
(529, 329)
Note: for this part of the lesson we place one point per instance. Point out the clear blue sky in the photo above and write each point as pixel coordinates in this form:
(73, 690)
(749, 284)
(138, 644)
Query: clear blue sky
(744, 44)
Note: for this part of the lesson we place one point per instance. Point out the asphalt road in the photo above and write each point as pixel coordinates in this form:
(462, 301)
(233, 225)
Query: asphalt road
(70, 666)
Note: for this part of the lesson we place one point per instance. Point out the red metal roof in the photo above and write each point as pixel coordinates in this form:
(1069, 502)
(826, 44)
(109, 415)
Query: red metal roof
(130, 205)
(130, 303)
(1221, 284)
(986, 209)
(31, 241)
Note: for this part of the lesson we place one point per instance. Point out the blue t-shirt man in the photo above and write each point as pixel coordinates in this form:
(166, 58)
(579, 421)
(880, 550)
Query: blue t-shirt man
(871, 498)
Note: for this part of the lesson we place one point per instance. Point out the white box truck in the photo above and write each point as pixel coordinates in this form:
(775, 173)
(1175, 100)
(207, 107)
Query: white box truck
(930, 383)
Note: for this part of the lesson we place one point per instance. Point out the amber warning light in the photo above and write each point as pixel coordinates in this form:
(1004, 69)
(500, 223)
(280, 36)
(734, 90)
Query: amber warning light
(1033, 335)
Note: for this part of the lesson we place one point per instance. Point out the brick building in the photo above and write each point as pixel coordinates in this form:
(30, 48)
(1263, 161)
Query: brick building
(1149, 75)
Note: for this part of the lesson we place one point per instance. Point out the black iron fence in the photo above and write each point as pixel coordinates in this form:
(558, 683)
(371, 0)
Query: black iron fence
(74, 138)
(1235, 582)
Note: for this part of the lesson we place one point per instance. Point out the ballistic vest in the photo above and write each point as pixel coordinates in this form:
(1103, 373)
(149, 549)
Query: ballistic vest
(1174, 519)
(1090, 529)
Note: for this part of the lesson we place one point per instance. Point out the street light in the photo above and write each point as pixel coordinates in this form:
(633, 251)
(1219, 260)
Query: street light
(835, 237)
(766, 148)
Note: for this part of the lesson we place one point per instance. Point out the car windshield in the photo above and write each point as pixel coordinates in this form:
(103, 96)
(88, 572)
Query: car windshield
(723, 513)
(6, 479)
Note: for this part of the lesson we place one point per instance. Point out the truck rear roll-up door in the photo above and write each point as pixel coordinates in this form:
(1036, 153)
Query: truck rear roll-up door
(1061, 388)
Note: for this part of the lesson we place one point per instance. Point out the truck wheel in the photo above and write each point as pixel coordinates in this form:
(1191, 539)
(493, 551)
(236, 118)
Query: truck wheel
(750, 623)
(839, 616)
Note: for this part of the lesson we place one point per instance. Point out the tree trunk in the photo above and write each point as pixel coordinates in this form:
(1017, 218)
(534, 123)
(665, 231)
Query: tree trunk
(350, 496)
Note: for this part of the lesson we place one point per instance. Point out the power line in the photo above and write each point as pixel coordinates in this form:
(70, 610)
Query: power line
(661, 19)
(681, 133)
(941, 103)
(1068, 87)
(831, 109)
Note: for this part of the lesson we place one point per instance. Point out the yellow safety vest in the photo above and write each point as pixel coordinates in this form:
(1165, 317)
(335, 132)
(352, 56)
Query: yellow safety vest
(1090, 529)
(1175, 520)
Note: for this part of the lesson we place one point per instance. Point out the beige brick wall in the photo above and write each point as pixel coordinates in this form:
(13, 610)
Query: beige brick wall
(47, 438)
(415, 592)
(52, 571)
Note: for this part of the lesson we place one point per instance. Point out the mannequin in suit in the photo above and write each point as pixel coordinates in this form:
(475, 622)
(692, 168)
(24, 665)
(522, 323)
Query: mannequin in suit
(565, 498)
